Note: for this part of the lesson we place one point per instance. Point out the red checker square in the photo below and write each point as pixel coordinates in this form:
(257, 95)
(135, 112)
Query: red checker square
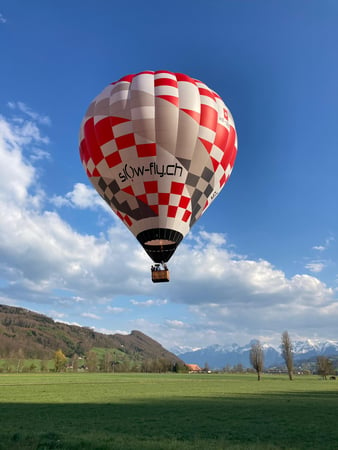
(222, 180)
(195, 115)
(151, 187)
(96, 173)
(119, 214)
(113, 159)
(228, 153)
(115, 120)
(172, 211)
(215, 163)
(128, 190)
(128, 221)
(221, 137)
(171, 99)
(154, 208)
(143, 198)
(128, 140)
(176, 188)
(163, 199)
(186, 216)
(206, 92)
(207, 144)
(144, 150)
(104, 131)
(183, 77)
(184, 202)
(233, 157)
(208, 117)
(165, 82)
(225, 160)
(91, 142)
(127, 78)
(84, 155)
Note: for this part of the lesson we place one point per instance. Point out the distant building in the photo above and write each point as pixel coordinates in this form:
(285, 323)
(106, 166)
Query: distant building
(194, 368)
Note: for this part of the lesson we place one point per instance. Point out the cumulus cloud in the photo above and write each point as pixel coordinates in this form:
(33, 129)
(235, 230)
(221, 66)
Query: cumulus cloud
(81, 197)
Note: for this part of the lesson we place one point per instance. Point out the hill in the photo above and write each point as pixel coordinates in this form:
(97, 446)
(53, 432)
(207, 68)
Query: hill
(38, 336)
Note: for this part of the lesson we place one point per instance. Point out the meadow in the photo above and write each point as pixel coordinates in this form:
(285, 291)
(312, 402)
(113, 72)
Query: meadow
(167, 411)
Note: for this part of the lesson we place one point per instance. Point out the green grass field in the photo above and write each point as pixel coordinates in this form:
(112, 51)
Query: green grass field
(172, 411)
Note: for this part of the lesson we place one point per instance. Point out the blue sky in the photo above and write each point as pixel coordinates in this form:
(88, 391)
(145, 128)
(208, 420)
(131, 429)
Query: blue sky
(263, 259)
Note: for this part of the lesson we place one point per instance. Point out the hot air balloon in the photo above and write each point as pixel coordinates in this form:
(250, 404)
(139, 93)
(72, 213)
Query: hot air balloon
(158, 147)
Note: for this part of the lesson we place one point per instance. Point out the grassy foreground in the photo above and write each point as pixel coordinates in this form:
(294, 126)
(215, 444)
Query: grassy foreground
(174, 411)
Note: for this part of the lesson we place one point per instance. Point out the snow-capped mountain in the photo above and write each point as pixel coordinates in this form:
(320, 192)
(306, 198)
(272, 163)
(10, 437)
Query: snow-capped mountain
(219, 356)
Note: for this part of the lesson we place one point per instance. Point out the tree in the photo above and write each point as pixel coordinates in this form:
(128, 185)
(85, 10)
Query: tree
(91, 360)
(60, 361)
(324, 366)
(43, 365)
(287, 353)
(20, 360)
(75, 362)
(257, 358)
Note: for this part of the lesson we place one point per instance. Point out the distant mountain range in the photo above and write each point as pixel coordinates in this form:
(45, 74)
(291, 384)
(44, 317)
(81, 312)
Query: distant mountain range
(220, 356)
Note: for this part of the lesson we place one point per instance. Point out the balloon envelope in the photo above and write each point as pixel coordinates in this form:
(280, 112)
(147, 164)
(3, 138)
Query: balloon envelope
(158, 147)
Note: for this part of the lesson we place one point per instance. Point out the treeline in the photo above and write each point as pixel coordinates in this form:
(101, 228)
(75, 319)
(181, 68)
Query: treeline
(93, 361)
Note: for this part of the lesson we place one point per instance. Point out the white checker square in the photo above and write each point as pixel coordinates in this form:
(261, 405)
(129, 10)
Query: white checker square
(166, 90)
(143, 112)
(189, 96)
(159, 75)
(90, 165)
(118, 96)
(123, 129)
(143, 82)
(206, 100)
(163, 210)
(216, 153)
(152, 199)
(174, 199)
(109, 147)
(207, 134)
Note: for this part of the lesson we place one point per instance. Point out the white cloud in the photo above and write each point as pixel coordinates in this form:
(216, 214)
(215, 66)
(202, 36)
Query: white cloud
(320, 248)
(315, 266)
(36, 117)
(91, 316)
(16, 175)
(81, 197)
(56, 315)
(177, 324)
(115, 309)
(324, 246)
(2, 19)
(149, 302)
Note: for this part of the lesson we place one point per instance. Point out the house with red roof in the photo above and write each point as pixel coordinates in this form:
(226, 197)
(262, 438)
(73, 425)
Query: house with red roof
(194, 368)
